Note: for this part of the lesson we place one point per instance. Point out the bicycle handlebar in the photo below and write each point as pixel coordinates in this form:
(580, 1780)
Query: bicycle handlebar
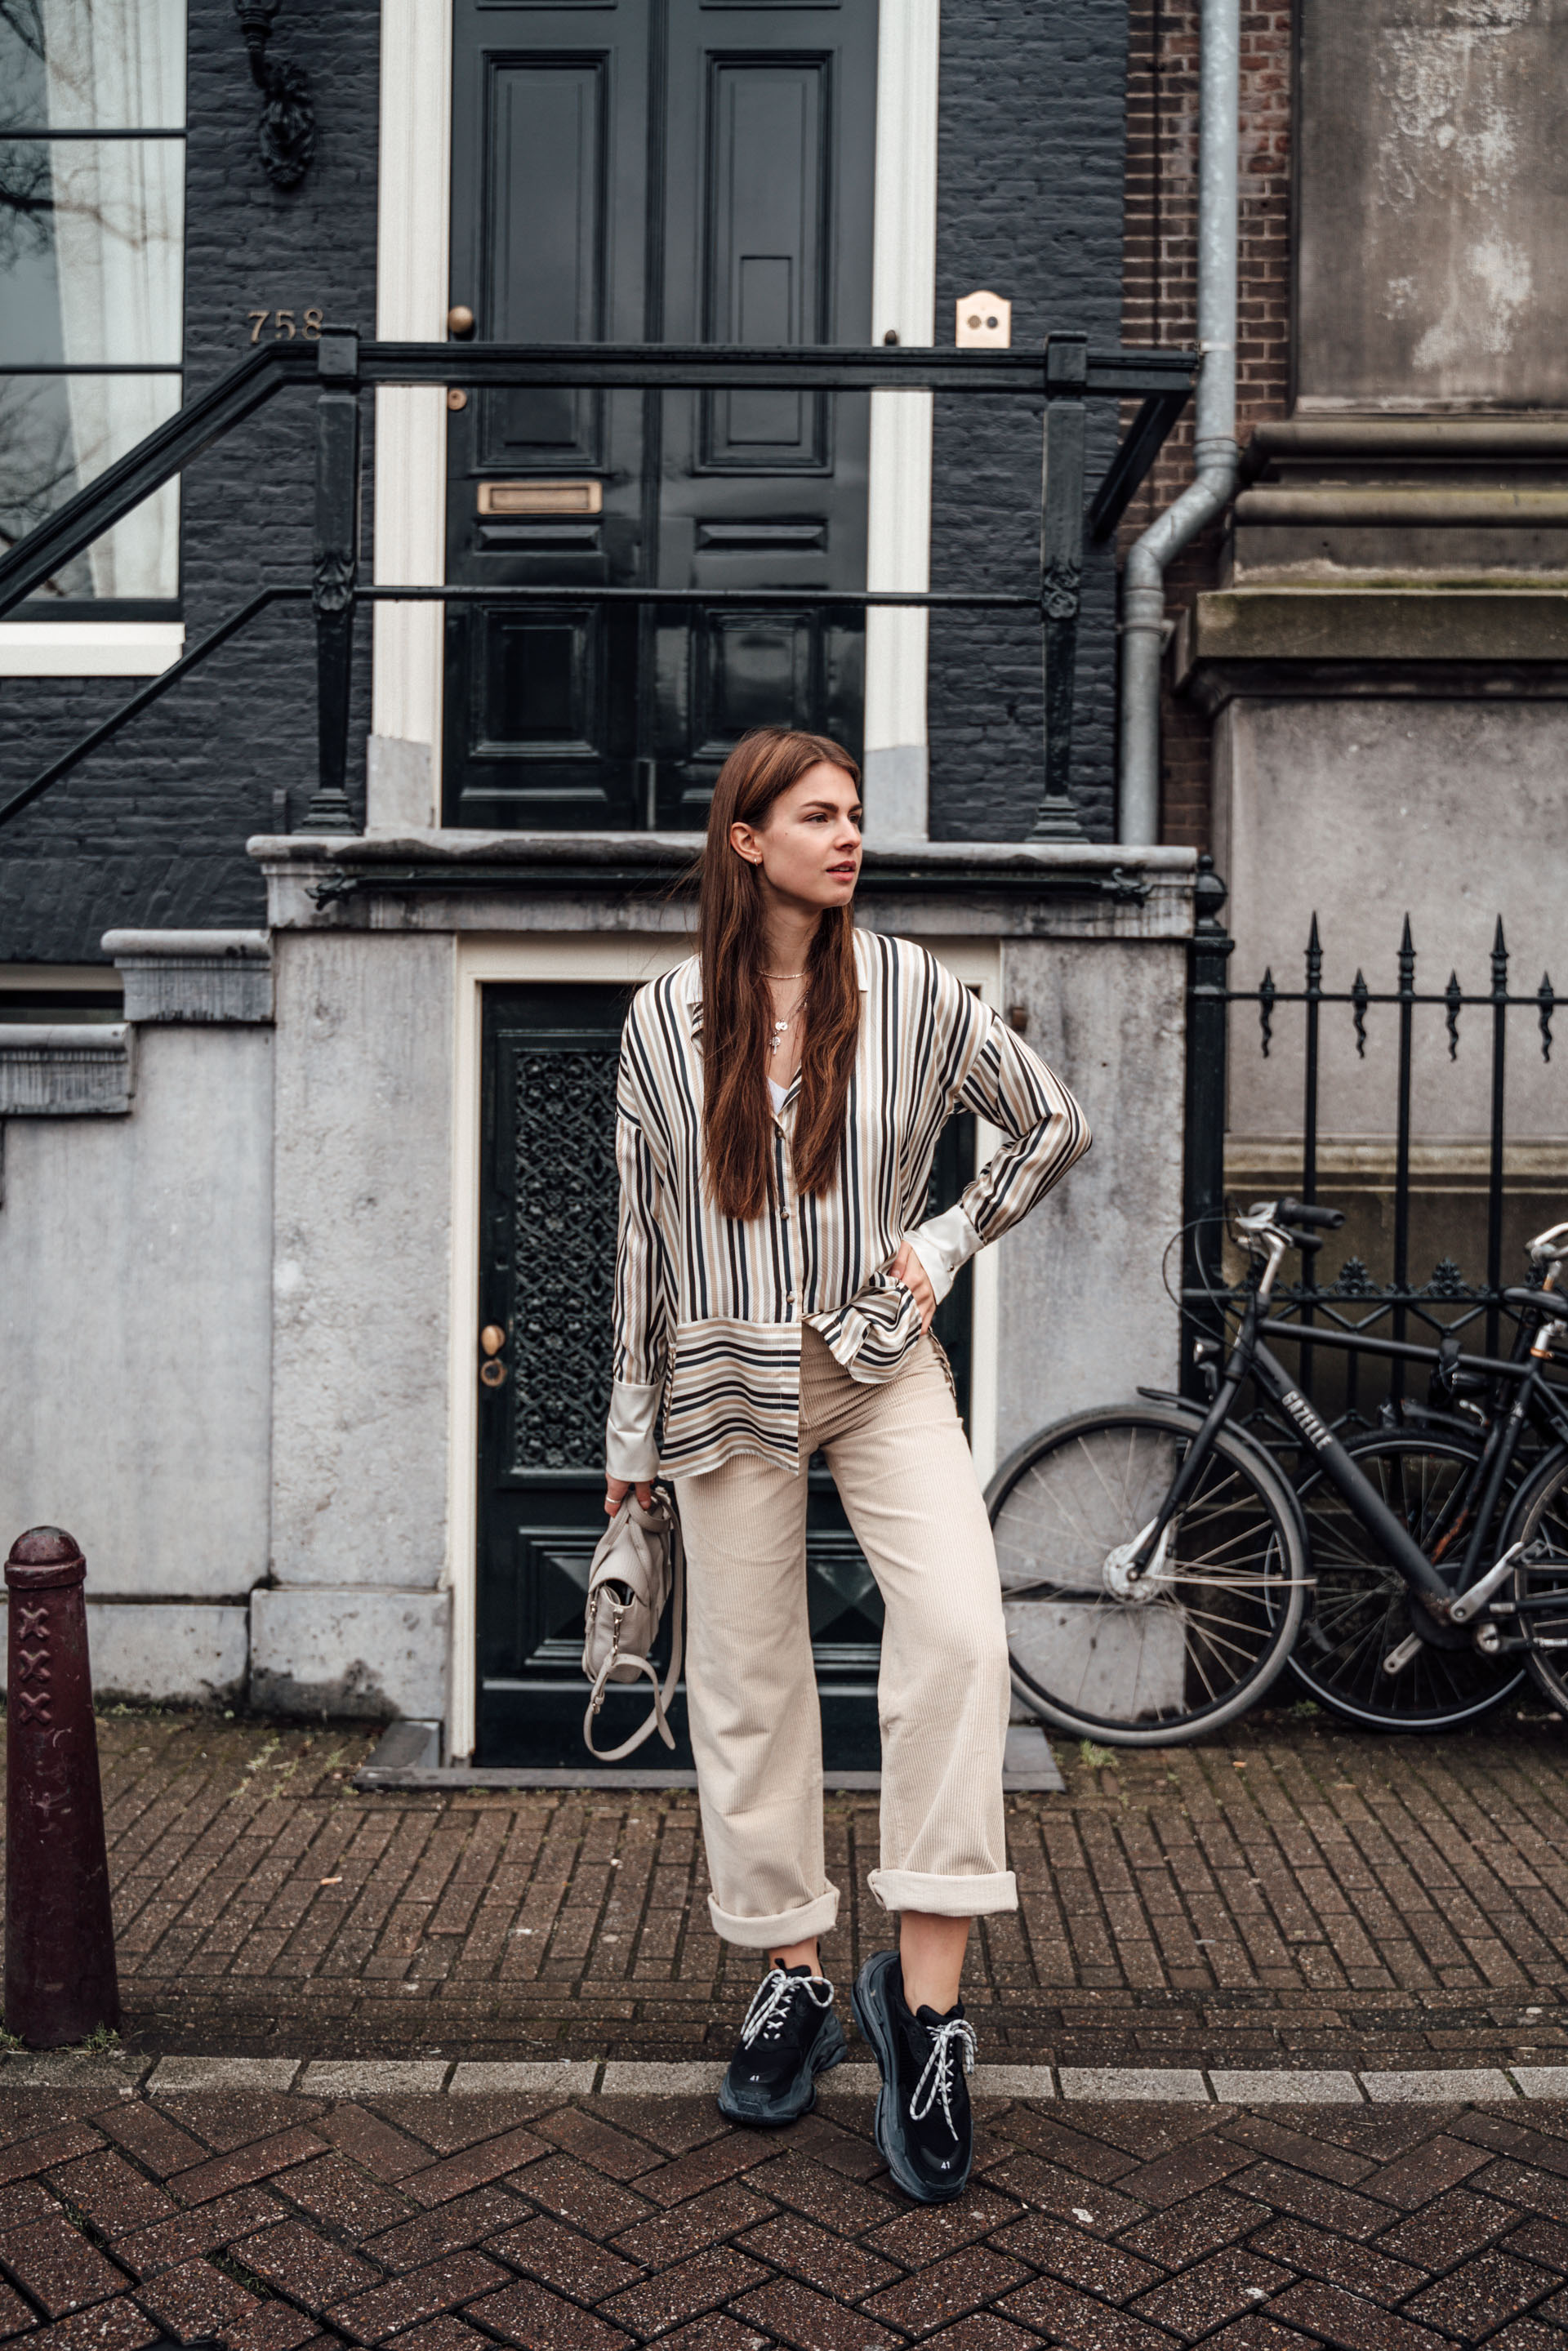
(1296, 1212)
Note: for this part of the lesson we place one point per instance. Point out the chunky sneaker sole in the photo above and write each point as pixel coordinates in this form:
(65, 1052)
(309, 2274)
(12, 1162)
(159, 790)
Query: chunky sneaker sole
(872, 2002)
(762, 2110)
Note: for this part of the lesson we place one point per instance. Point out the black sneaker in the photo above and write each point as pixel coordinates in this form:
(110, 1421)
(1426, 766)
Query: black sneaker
(789, 2036)
(923, 2127)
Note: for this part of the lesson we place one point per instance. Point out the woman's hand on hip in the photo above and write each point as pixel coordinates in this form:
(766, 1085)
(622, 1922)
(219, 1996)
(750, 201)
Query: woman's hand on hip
(906, 1267)
(617, 1488)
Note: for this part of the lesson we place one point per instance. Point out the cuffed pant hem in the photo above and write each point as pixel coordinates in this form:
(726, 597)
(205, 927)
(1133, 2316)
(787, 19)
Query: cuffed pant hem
(817, 1918)
(944, 1898)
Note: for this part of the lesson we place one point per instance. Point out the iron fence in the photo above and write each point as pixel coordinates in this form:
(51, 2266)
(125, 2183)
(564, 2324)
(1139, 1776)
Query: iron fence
(1064, 376)
(1439, 1192)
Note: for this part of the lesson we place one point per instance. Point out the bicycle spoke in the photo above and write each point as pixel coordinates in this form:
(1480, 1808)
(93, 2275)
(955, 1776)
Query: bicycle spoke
(1363, 1606)
(1195, 1640)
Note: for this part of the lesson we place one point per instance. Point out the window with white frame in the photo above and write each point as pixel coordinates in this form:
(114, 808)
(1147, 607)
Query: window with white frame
(92, 207)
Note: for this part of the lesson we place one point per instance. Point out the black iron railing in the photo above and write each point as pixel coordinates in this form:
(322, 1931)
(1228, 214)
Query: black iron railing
(1065, 375)
(1379, 1303)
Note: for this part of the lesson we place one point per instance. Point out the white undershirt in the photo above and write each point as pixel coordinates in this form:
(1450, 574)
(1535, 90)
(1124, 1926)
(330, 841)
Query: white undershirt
(778, 1093)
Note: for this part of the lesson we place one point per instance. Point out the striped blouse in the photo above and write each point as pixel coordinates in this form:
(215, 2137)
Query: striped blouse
(709, 1310)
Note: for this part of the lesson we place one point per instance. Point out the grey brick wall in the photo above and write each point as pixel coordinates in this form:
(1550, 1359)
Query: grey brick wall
(151, 830)
(1029, 205)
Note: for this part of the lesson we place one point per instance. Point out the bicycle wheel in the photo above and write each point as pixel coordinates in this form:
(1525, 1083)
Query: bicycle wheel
(1362, 1608)
(1540, 1520)
(1191, 1646)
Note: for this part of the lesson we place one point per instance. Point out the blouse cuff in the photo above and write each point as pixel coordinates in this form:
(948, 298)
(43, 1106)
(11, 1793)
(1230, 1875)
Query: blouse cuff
(944, 1245)
(631, 1434)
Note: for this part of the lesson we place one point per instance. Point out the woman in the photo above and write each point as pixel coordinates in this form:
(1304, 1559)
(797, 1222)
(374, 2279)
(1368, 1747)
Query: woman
(781, 1095)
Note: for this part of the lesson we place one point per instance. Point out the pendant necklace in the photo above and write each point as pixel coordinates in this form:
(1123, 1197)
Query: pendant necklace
(780, 1027)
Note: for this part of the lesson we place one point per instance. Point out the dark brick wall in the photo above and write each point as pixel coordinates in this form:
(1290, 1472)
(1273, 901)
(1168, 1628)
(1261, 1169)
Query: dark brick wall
(1029, 204)
(151, 830)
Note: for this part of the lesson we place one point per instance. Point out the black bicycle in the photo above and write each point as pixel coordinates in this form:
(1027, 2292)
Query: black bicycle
(1159, 1567)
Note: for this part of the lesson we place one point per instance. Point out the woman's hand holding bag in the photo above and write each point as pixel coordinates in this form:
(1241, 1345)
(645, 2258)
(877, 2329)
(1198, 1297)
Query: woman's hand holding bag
(638, 1565)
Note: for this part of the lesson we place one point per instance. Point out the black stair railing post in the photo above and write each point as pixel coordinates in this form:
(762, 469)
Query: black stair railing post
(336, 566)
(1203, 1168)
(1060, 574)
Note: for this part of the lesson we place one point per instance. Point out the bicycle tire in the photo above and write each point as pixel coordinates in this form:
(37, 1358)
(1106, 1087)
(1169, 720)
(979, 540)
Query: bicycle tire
(1539, 1519)
(1164, 1670)
(1362, 1607)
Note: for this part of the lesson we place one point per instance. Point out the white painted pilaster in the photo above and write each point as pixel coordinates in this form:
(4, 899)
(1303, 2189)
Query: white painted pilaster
(904, 288)
(412, 245)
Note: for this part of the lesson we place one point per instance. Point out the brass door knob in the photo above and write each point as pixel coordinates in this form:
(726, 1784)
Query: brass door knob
(460, 319)
(492, 1338)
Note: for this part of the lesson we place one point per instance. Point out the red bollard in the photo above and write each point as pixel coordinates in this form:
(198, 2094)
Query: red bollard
(60, 1980)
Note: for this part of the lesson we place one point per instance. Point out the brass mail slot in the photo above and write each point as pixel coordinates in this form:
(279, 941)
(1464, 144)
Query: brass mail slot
(541, 498)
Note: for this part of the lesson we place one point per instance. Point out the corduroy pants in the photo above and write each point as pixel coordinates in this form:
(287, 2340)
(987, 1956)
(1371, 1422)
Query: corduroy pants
(903, 1468)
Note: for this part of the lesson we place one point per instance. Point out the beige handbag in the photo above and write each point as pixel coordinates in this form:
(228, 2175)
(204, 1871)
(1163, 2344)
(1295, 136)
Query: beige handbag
(639, 1563)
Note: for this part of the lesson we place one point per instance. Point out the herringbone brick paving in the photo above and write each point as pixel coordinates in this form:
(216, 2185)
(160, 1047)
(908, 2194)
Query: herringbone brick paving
(1289, 1893)
(1100, 2229)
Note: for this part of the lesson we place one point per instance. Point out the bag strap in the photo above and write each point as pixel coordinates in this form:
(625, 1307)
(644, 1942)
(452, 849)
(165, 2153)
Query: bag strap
(662, 1698)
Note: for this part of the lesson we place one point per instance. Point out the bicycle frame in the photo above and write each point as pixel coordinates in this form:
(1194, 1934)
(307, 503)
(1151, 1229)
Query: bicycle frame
(1534, 1399)
(1438, 1592)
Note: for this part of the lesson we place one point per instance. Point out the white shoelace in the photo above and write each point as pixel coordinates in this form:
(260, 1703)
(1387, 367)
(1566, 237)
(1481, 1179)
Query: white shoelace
(937, 2082)
(771, 2007)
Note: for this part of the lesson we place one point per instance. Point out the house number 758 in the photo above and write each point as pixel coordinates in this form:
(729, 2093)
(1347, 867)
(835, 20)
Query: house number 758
(287, 325)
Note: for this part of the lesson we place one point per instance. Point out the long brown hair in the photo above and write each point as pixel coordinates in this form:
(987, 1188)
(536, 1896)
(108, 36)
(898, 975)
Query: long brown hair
(737, 1130)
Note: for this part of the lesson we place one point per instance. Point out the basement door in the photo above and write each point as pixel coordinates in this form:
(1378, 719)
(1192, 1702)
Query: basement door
(653, 170)
(548, 1213)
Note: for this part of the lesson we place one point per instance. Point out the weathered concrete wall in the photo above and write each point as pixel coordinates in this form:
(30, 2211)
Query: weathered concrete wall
(1434, 176)
(1083, 1314)
(178, 1652)
(361, 1281)
(349, 1651)
(1363, 812)
(135, 1267)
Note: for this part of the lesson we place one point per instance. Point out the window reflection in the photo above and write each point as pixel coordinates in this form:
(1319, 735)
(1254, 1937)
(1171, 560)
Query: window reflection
(91, 268)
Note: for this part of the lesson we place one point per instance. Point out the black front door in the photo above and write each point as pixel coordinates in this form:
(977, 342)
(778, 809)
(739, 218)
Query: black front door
(653, 170)
(548, 1211)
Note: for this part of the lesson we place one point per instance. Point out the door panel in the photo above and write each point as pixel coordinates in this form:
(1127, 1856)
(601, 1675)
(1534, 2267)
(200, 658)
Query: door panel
(684, 171)
(763, 488)
(547, 1216)
(764, 255)
(548, 223)
(546, 201)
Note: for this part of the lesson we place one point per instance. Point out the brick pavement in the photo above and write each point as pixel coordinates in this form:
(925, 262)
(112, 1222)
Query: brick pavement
(449, 2223)
(1289, 1892)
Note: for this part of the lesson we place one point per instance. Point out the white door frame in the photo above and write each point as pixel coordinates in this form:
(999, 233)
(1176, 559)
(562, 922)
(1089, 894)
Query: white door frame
(412, 261)
(626, 958)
